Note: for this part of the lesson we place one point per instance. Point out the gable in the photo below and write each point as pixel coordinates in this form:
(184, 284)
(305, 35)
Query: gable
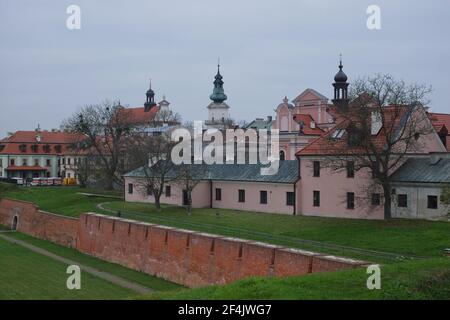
(309, 95)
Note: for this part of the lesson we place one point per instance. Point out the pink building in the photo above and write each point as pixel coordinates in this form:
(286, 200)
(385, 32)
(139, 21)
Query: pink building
(301, 122)
(349, 193)
(228, 186)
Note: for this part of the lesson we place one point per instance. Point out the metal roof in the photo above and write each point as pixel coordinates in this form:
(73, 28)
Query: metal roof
(423, 170)
(287, 172)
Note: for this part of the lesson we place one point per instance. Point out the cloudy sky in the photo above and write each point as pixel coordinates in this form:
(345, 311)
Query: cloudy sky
(268, 49)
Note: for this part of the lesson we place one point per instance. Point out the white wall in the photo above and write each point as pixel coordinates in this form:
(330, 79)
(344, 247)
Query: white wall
(417, 201)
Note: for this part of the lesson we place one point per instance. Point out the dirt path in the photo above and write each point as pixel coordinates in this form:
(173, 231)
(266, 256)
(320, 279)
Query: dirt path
(95, 272)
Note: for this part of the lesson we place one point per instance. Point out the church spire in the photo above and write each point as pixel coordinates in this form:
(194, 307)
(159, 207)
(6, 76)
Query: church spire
(340, 86)
(218, 95)
(150, 102)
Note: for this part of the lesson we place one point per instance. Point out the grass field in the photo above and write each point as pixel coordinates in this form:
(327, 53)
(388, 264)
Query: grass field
(424, 279)
(404, 237)
(427, 278)
(28, 275)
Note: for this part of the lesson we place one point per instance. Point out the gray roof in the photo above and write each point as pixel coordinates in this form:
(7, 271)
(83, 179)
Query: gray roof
(287, 172)
(422, 170)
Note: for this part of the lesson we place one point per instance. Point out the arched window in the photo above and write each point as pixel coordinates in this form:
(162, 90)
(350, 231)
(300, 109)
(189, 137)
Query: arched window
(282, 155)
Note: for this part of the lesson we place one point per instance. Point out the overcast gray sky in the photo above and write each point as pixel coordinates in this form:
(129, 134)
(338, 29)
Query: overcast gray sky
(268, 49)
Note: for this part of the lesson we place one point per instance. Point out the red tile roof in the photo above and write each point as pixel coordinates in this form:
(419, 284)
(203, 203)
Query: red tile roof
(327, 145)
(307, 119)
(22, 142)
(441, 122)
(138, 115)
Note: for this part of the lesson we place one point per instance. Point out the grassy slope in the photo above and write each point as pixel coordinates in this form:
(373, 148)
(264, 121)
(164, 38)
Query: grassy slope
(28, 275)
(62, 200)
(409, 237)
(125, 273)
(425, 279)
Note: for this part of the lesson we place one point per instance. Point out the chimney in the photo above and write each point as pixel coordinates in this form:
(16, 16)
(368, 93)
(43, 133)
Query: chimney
(376, 123)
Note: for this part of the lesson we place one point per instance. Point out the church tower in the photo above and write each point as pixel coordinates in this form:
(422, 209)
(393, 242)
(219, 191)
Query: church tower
(150, 103)
(218, 110)
(340, 87)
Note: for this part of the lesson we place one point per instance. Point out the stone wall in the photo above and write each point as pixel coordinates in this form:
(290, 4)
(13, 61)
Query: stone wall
(182, 256)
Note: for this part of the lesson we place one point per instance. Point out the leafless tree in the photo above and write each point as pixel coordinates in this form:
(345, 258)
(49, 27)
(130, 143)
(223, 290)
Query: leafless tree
(104, 129)
(382, 123)
(188, 177)
(152, 154)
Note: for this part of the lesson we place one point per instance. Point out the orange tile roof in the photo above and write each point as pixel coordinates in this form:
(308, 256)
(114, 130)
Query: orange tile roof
(24, 140)
(307, 119)
(326, 145)
(138, 115)
(441, 122)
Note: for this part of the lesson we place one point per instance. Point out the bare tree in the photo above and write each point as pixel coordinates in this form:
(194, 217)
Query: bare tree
(384, 122)
(188, 177)
(104, 129)
(152, 154)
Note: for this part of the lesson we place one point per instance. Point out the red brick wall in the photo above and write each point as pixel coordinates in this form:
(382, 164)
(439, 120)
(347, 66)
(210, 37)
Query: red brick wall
(41, 224)
(185, 257)
(192, 258)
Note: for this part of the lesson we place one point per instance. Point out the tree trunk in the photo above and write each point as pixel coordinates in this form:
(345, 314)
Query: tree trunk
(387, 202)
(157, 203)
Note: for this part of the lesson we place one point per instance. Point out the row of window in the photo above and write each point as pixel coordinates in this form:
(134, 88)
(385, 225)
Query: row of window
(375, 199)
(290, 198)
(37, 162)
(35, 148)
(350, 169)
(12, 162)
(402, 201)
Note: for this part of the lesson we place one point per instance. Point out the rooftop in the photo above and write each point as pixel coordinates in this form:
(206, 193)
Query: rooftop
(423, 170)
(287, 172)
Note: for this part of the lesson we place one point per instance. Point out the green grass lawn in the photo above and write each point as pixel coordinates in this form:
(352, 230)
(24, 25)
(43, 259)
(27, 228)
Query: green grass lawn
(404, 237)
(125, 273)
(424, 279)
(427, 278)
(62, 200)
(28, 275)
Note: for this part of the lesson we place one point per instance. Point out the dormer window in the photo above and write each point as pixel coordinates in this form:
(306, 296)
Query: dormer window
(23, 148)
(338, 134)
(34, 148)
(47, 148)
(58, 148)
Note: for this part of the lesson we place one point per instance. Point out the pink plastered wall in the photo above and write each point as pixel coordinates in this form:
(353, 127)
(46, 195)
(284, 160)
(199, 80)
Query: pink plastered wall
(276, 196)
(200, 194)
(333, 187)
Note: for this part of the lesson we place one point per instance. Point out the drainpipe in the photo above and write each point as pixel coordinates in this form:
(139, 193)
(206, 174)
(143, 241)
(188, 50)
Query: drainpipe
(210, 194)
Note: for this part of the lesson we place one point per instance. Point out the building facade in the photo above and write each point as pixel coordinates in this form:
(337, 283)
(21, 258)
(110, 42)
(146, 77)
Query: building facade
(37, 154)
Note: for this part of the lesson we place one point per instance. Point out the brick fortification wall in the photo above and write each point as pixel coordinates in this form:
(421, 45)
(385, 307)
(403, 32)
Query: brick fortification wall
(38, 223)
(182, 256)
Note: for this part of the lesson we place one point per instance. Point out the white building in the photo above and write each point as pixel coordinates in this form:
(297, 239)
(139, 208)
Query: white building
(418, 185)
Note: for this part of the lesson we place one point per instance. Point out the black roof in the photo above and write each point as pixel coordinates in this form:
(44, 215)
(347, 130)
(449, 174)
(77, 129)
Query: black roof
(423, 170)
(287, 172)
